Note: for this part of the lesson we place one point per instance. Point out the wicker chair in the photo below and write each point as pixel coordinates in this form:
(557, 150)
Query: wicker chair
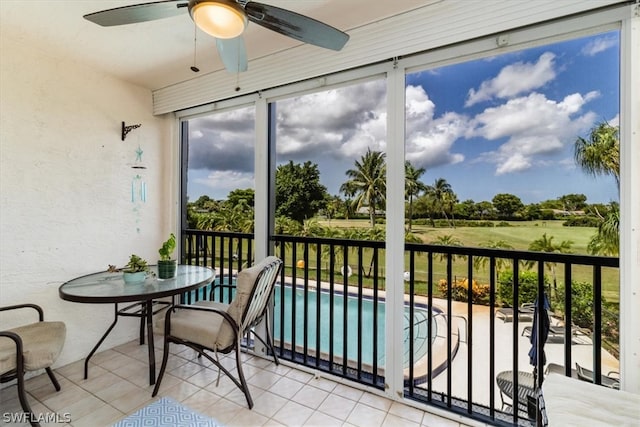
(208, 326)
(30, 347)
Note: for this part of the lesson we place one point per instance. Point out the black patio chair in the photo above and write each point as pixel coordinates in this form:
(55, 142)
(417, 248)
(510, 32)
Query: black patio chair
(209, 326)
(30, 347)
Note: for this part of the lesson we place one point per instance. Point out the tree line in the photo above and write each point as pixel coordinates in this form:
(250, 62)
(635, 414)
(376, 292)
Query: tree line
(301, 196)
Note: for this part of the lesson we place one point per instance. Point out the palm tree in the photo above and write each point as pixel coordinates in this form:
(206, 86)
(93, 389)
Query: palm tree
(446, 240)
(441, 194)
(600, 155)
(412, 185)
(501, 263)
(206, 221)
(288, 226)
(449, 202)
(545, 244)
(367, 183)
(333, 233)
(410, 237)
(606, 241)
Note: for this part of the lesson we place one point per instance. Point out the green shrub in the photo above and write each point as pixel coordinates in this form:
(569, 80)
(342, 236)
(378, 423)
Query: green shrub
(460, 290)
(581, 303)
(547, 214)
(527, 286)
(582, 221)
(582, 312)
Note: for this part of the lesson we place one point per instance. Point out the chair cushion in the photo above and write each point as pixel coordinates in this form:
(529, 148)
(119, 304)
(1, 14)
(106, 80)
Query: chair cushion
(159, 316)
(42, 343)
(212, 330)
(203, 328)
(245, 283)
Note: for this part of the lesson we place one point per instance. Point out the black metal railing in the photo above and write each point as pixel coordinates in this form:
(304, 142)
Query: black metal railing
(329, 314)
(225, 252)
(326, 301)
(471, 401)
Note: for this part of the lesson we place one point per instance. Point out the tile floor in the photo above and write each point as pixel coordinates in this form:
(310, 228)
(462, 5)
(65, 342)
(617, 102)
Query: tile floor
(283, 396)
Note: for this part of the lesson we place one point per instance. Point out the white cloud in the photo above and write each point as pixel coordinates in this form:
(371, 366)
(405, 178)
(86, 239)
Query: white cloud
(574, 102)
(222, 141)
(515, 163)
(598, 45)
(429, 140)
(533, 126)
(567, 163)
(418, 102)
(338, 122)
(515, 79)
(225, 181)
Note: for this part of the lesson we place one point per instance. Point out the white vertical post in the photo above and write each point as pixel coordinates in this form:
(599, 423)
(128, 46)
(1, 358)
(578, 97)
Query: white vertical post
(261, 201)
(395, 234)
(630, 201)
(261, 179)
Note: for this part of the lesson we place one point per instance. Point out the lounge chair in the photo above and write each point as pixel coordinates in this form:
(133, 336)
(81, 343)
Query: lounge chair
(554, 368)
(557, 332)
(525, 312)
(611, 380)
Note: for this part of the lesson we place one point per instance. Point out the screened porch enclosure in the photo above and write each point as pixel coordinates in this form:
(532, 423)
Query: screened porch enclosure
(456, 364)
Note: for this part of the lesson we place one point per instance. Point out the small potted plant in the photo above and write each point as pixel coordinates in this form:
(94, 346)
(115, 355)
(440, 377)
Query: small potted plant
(166, 265)
(136, 269)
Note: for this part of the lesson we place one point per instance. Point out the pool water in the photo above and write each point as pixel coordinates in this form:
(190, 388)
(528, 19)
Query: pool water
(420, 321)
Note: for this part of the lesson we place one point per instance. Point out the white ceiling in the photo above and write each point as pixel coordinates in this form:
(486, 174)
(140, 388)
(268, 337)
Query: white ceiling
(160, 53)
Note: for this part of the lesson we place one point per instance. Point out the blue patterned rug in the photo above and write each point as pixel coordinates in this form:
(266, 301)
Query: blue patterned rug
(167, 412)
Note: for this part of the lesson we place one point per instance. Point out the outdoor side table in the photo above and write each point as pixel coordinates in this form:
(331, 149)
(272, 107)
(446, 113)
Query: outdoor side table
(109, 288)
(525, 388)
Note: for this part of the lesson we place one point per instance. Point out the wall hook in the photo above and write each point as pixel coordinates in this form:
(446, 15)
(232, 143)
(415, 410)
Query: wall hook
(127, 129)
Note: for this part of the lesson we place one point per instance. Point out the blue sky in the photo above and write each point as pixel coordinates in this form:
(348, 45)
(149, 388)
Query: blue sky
(504, 124)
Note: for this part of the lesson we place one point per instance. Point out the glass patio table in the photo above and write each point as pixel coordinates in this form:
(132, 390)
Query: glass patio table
(109, 288)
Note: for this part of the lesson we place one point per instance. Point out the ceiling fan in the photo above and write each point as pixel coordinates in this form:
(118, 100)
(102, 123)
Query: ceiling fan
(226, 20)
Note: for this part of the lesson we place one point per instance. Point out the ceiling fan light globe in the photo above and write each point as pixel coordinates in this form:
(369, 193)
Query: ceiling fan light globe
(219, 18)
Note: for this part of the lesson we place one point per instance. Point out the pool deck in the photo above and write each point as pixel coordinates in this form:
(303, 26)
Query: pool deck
(581, 352)
(581, 348)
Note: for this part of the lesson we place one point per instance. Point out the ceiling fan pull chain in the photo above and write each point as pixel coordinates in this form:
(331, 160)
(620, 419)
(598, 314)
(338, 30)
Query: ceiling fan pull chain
(194, 68)
(238, 68)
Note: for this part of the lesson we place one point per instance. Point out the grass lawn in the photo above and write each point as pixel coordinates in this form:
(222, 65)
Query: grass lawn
(519, 235)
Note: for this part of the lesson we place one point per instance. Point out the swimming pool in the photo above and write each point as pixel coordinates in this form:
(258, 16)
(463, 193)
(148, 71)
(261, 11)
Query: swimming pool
(308, 325)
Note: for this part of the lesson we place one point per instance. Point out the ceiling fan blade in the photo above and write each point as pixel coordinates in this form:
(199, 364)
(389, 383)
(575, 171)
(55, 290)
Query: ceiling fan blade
(296, 26)
(233, 54)
(138, 13)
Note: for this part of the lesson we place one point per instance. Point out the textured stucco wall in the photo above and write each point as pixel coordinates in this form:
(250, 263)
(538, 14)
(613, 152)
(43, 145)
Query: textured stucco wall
(65, 181)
